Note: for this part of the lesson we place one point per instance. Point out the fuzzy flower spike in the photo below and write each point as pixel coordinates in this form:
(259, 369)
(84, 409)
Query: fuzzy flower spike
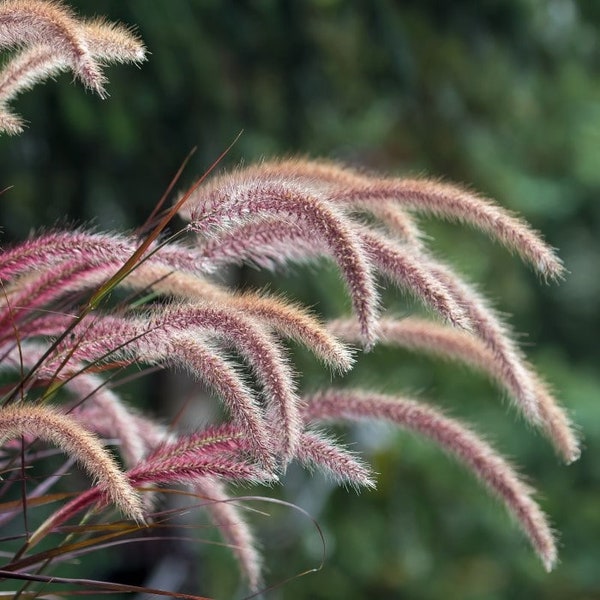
(49, 39)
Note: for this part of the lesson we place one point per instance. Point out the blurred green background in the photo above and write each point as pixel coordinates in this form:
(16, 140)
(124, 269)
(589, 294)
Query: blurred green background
(503, 95)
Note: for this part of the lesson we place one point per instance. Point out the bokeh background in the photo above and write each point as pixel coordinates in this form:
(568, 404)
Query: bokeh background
(503, 95)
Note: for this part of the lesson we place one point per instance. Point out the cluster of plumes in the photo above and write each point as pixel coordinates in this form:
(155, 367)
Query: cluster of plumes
(271, 214)
(56, 336)
(50, 39)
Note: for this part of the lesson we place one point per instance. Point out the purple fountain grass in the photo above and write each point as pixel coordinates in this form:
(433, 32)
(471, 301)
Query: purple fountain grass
(346, 186)
(216, 458)
(169, 465)
(107, 42)
(331, 177)
(276, 242)
(439, 287)
(216, 452)
(326, 176)
(225, 512)
(181, 333)
(90, 390)
(200, 357)
(49, 425)
(439, 340)
(48, 271)
(403, 267)
(451, 202)
(56, 40)
(93, 249)
(268, 244)
(58, 332)
(112, 42)
(318, 450)
(49, 23)
(166, 334)
(532, 396)
(494, 471)
(227, 515)
(217, 208)
(289, 319)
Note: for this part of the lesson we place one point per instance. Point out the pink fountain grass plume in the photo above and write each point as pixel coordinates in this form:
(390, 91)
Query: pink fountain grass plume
(35, 288)
(95, 417)
(289, 319)
(117, 419)
(120, 339)
(274, 242)
(123, 427)
(48, 249)
(211, 208)
(112, 42)
(39, 274)
(497, 337)
(317, 449)
(422, 196)
(227, 515)
(446, 342)
(561, 430)
(168, 465)
(242, 403)
(344, 186)
(223, 509)
(295, 322)
(261, 351)
(336, 178)
(327, 177)
(454, 203)
(67, 434)
(90, 266)
(107, 42)
(34, 22)
(493, 470)
(175, 458)
(21, 73)
(156, 338)
(37, 291)
(90, 249)
(530, 394)
(271, 214)
(403, 267)
(269, 243)
(54, 40)
(225, 439)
